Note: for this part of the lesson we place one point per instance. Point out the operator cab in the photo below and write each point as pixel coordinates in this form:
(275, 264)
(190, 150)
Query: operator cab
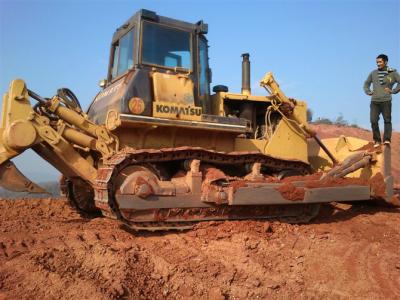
(155, 59)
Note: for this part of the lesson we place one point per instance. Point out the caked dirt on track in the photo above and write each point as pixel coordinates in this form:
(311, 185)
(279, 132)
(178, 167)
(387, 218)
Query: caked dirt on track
(48, 251)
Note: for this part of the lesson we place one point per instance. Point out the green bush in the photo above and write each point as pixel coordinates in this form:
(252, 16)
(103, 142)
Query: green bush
(323, 121)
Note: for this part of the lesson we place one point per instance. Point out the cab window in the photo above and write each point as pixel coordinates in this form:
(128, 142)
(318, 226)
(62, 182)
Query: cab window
(164, 46)
(123, 55)
(203, 68)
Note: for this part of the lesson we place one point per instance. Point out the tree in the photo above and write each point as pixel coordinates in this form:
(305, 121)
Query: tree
(341, 121)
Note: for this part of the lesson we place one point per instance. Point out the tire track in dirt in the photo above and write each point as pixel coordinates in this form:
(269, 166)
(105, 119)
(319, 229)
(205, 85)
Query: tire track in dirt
(377, 268)
(365, 270)
(352, 259)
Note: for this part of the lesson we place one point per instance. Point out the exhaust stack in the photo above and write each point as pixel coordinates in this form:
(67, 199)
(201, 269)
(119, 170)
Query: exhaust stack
(246, 90)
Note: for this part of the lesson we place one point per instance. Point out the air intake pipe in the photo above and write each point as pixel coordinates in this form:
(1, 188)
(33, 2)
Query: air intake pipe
(246, 90)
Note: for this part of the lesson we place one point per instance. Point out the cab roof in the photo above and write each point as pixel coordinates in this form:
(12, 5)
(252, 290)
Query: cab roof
(144, 14)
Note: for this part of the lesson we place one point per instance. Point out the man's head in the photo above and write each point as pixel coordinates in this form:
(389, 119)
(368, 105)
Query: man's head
(382, 61)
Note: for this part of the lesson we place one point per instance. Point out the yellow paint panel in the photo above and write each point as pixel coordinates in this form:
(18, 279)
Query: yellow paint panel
(16, 107)
(300, 112)
(287, 143)
(175, 89)
(250, 145)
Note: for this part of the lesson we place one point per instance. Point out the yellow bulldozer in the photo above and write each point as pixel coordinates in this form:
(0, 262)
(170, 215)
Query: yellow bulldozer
(157, 150)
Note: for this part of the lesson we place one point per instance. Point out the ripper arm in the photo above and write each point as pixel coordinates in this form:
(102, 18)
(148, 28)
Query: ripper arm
(57, 130)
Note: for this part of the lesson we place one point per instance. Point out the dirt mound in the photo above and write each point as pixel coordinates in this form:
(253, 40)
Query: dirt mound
(47, 251)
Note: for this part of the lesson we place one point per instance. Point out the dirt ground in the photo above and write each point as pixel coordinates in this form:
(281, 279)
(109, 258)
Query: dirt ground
(48, 251)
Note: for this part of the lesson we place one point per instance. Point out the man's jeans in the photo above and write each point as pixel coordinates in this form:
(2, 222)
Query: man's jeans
(384, 108)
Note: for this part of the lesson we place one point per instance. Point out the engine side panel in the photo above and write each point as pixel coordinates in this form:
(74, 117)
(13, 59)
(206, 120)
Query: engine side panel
(118, 95)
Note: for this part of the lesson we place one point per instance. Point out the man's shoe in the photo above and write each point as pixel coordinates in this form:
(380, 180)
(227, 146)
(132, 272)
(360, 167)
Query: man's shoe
(386, 143)
(377, 144)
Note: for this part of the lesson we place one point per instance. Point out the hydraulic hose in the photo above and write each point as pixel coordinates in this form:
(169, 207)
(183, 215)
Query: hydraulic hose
(69, 98)
(37, 97)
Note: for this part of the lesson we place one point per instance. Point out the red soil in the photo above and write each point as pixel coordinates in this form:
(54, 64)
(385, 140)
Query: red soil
(47, 251)
(291, 192)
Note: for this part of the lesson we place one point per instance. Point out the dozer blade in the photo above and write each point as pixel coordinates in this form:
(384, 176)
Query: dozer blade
(12, 179)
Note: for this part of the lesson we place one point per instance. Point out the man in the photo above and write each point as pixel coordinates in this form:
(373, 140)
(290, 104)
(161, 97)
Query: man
(383, 79)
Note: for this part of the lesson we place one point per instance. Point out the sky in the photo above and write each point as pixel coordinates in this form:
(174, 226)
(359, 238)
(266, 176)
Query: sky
(319, 51)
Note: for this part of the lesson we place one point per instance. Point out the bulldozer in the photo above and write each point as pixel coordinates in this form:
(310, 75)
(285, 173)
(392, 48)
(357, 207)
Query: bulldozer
(158, 151)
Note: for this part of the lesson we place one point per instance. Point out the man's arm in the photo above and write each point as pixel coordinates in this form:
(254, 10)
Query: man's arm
(367, 84)
(397, 80)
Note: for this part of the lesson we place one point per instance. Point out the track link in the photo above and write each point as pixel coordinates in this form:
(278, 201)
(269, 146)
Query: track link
(182, 219)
